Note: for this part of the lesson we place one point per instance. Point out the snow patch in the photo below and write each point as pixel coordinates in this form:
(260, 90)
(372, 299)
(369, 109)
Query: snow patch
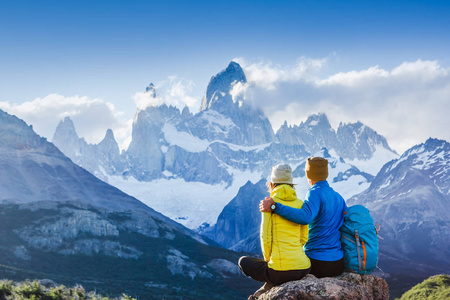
(373, 165)
(189, 203)
(313, 123)
(352, 186)
(194, 144)
(183, 139)
(386, 183)
(215, 117)
(256, 148)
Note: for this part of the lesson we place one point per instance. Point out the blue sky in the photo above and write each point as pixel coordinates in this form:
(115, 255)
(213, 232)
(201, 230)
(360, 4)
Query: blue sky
(110, 50)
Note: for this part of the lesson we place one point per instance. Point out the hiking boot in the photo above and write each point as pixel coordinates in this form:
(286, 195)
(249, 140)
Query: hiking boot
(265, 288)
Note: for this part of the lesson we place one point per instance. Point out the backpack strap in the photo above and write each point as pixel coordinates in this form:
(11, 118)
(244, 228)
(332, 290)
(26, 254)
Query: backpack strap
(358, 244)
(347, 238)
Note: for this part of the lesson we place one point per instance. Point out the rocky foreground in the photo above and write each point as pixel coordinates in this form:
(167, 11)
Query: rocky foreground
(343, 287)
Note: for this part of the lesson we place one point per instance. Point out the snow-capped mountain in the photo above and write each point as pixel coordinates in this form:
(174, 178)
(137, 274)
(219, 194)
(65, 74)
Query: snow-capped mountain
(60, 220)
(101, 159)
(231, 120)
(410, 199)
(357, 141)
(353, 141)
(315, 133)
(211, 154)
(217, 95)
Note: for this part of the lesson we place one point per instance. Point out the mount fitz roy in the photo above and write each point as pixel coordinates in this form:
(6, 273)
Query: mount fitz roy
(61, 222)
(211, 154)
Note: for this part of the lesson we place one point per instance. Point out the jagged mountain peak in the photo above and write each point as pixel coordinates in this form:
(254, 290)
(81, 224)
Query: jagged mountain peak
(427, 156)
(319, 119)
(157, 114)
(360, 141)
(67, 122)
(358, 127)
(430, 145)
(217, 93)
(109, 141)
(234, 66)
(16, 134)
(151, 90)
(65, 127)
(109, 134)
(66, 138)
(186, 113)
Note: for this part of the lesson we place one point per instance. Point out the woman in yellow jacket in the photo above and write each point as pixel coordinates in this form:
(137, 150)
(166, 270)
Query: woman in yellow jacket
(281, 240)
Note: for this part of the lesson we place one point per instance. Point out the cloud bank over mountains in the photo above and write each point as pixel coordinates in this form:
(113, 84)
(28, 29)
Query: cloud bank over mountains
(406, 104)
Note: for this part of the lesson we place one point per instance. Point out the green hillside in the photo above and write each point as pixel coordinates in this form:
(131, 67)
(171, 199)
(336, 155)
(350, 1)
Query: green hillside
(434, 288)
(34, 290)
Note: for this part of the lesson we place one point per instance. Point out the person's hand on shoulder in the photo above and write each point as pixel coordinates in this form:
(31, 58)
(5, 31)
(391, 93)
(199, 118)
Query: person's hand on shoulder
(264, 205)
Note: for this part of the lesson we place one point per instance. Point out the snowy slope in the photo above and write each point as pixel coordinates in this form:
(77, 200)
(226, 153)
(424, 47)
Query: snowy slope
(374, 164)
(189, 203)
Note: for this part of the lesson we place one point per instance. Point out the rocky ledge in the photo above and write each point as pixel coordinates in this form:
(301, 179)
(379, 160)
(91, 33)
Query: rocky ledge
(345, 286)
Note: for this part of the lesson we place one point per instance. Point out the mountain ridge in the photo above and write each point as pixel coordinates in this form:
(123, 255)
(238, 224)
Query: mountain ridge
(60, 220)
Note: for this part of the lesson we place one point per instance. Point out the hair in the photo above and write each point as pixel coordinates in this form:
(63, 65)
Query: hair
(272, 185)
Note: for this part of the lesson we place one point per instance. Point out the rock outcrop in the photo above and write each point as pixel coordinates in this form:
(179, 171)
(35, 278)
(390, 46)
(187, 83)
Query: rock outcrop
(343, 287)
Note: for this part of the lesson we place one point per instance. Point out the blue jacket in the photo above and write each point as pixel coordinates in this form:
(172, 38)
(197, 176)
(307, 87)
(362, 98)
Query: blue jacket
(323, 210)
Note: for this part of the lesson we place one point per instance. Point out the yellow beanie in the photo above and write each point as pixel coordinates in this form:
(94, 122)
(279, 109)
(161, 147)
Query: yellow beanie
(316, 168)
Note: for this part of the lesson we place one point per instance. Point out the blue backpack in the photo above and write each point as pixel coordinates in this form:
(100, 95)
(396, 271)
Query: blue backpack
(359, 238)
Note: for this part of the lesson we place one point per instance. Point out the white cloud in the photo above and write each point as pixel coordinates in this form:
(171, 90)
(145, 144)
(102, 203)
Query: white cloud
(238, 91)
(144, 100)
(173, 91)
(425, 70)
(92, 117)
(407, 104)
(267, 75)
(355, 78)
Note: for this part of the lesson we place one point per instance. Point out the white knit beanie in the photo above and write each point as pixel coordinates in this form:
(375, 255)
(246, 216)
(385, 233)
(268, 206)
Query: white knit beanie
(281, 173)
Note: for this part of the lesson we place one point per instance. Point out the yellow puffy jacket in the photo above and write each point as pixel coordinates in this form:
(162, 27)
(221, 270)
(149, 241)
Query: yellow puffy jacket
(282, 240)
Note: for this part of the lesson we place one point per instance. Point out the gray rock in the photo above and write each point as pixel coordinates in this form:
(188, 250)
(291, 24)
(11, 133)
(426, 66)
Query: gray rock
(343, 287)
(178, 263)
(224, 267)
(48, 283)
(22, 253)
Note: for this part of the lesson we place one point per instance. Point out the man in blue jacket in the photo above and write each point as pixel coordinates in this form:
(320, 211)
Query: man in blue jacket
(323, 210)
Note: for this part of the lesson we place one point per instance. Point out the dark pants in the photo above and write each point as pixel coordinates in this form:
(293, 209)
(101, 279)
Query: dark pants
(259, 270)
(322, 269)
